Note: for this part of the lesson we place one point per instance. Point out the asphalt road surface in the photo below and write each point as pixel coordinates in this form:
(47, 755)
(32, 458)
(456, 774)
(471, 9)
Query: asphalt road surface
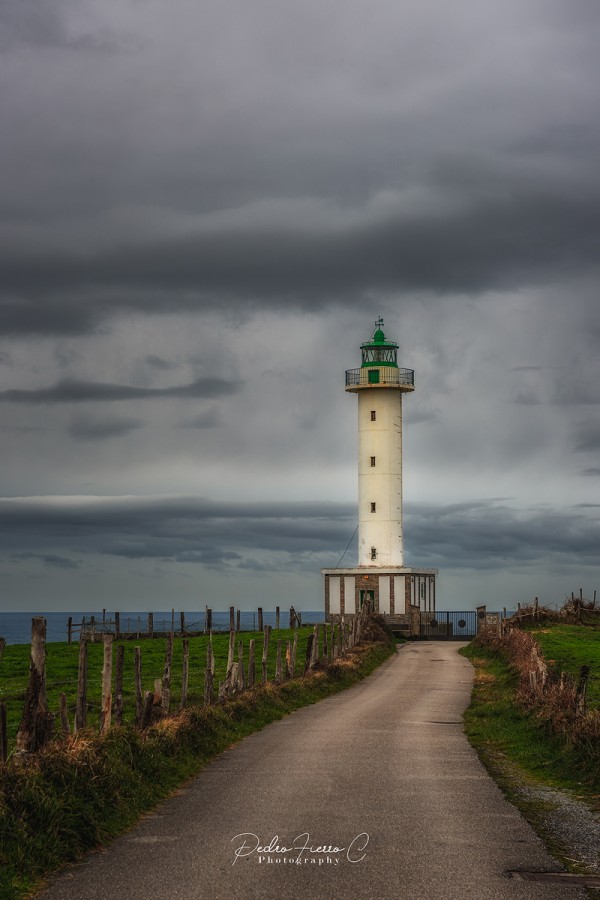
(372, 793)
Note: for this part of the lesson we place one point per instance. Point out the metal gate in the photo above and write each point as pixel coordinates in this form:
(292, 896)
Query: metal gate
(449, 625)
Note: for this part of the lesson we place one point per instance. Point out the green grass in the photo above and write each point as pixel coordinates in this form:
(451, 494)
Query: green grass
(73, 796)
(500, 730)
(568, 647)
(62, 663)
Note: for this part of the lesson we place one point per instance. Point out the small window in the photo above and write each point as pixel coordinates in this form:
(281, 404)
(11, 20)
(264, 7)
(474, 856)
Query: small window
(373, 507)
(373, 553)
(373, 415)
(372, 460)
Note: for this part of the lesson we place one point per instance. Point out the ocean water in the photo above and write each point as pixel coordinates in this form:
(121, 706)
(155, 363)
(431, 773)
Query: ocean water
(15, 627)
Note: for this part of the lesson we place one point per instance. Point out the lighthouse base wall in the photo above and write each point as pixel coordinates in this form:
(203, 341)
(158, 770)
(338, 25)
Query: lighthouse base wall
(399, 594)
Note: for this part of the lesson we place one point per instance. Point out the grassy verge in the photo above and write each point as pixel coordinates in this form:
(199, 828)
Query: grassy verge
(500, 730)
(76, 795)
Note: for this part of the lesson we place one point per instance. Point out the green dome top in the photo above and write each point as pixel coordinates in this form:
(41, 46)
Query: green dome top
(378, 351)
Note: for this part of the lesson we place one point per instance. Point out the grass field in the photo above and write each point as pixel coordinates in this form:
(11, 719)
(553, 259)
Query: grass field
(568, 647)
(62, 663)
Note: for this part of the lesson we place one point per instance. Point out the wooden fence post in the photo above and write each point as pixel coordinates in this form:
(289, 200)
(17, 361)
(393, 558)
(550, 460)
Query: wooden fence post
(315, 647)
(117, 625)
(3, 734)
(266, 634)
(209, 673)
(232, 618)
(294, 651)
(278, 669)
(208, 621)
(105, 715)
(120, 662)
(277, 618)
(185, 667)
(64, 715)
(166, 681)
(36, 721)
(238, 620)
(584, 673)
(182, 622)
(69, 630)
(147, 709)
(137, 676)
(251, 664)
(260, 619)
(2, 645)
(291, 616)
(151, 624)
(241, 675)
(325, 642)
(309, 645)
(81, 703)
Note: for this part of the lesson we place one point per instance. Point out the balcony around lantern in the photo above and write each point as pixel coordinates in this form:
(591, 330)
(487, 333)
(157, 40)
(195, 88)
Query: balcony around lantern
(380, 377)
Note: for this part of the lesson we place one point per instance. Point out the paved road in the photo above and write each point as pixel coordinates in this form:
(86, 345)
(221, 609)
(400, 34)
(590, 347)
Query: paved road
(386, 759)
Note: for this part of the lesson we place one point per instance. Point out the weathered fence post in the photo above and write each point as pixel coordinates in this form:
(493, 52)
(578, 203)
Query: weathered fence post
(291, 616)
(2, 645)
(232, 618)
(288, 659)
(325, 642)
(119, 684)
(151, 624)
(36, 721)
(251, 664)
(117, 625)
(182, 622)
(166, 681)
(309, 650)
(69, 630)
(64, 715)
(81, 703)
(260, 619)
(137, 676)
(584, 673)
(314, 659)
(266, 635)
(294, 651)
(278, 669)
(277, 618)
(185, 667)
(238, 620)
(241, 675)
(3, 734)
(208, 621)
(229, 677)
(146, 717)
(209, 673)
(105, 715)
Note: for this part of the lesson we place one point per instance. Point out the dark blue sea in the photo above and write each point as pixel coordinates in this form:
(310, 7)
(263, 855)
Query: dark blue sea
(15, 627)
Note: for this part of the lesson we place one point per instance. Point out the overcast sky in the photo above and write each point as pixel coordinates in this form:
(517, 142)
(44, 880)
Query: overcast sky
(204, 206)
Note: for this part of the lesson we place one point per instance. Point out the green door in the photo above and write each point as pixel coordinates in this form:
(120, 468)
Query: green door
(373, 376)
(370, 595)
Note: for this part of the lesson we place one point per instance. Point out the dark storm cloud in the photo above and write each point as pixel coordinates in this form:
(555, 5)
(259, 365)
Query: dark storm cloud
(49, 559)
(75, 391)
(157, 362)
(587, 437)
(504, 236)
(85, 428)
(593, 472)
(483, 535)
(488, 536)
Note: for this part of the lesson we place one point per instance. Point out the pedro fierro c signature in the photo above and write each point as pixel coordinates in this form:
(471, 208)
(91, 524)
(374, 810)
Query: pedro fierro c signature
(300, 852)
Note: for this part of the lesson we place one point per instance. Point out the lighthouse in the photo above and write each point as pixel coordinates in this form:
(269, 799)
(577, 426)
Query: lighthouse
(398, 592)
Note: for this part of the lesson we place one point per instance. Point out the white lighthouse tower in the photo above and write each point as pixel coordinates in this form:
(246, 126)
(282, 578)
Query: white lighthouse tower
(397, 592)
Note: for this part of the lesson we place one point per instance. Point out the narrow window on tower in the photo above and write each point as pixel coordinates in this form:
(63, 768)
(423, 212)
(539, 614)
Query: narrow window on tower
(373, 553)
(372, 460)
(373, 415)
(373, 507)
